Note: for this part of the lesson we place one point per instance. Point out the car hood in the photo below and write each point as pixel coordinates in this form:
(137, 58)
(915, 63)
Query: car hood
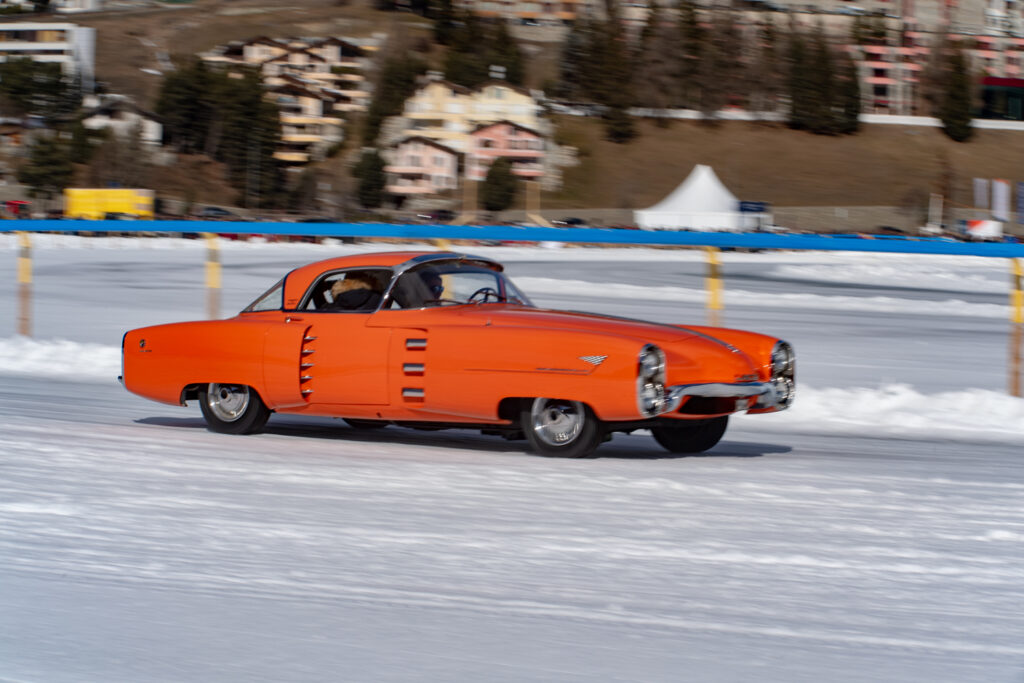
(521, 316)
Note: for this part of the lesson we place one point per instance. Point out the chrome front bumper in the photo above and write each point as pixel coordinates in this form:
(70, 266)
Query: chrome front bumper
(776, 393)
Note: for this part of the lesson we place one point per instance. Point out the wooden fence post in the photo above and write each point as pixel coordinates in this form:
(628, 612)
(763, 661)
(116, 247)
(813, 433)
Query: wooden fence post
(24, 284)
(213, 284)
(714, 285)
(1017, 325)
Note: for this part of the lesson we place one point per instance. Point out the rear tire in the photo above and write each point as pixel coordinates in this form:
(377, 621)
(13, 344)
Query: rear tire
(556, 428)
(690, 436)
(233, 408)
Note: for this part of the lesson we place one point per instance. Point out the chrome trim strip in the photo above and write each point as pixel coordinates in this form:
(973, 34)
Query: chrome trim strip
(305, 378)
(675, 394)
(413, 368)
(306, 352)
(415, 344)
(410, 392)
(307, 338)
(306, 366)
(307, 392)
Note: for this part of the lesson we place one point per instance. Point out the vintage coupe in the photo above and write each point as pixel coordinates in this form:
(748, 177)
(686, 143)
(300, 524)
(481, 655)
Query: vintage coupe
(437, 339)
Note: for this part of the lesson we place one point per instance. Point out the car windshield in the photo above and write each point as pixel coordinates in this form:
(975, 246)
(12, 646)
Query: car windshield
(449, 283)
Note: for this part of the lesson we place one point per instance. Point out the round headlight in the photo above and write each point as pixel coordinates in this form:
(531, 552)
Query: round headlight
(650, 381)
(652, 362)
(783, 360)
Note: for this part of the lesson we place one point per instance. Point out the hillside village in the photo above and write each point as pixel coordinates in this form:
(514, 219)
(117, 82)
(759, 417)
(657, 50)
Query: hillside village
(385, 122)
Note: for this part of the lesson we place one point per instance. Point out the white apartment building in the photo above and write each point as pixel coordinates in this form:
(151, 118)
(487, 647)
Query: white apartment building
(70, 45)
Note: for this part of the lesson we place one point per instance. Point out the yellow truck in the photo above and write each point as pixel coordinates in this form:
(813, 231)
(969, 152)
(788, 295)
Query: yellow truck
(100, 203)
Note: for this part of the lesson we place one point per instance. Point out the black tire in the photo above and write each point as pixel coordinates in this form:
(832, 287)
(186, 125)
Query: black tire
(233, 408)
(359, 423)
(557, 428)
(690, 436)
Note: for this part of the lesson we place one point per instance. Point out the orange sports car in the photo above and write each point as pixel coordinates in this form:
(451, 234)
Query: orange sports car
(437, 339)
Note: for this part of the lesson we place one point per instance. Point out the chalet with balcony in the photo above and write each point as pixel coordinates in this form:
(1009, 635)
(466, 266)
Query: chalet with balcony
(522, 146)
(308, 129)
(421, 166)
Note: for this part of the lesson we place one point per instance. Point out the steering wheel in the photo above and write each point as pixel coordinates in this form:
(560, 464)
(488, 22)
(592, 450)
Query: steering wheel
(483, 295)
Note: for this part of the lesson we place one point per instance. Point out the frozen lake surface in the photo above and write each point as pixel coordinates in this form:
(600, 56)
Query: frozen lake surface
(875, 532)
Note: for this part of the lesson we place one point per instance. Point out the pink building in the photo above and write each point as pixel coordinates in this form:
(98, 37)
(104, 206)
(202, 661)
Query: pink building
(520, 145)
(421, 166)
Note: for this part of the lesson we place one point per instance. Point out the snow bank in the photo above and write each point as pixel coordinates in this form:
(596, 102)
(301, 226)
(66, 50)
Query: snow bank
(899, 411)
(893, 410)
(740, 297)
(59, 359)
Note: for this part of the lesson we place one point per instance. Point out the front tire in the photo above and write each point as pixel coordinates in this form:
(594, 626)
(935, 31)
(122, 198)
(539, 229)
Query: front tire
(556, 428)
(690, 436)
(233, 408)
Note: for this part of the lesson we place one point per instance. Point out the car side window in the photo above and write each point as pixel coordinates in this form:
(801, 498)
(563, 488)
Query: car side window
(348, 291)
(271, 300)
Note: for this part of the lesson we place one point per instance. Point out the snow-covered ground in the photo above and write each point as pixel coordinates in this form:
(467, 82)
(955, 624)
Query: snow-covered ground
(875, 532)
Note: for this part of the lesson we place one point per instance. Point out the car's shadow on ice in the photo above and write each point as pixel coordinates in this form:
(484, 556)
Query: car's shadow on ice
(622, 446)
(160, 421)
(645, 448)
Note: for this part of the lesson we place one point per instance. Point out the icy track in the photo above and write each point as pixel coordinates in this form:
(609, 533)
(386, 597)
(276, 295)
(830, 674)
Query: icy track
(873, 533)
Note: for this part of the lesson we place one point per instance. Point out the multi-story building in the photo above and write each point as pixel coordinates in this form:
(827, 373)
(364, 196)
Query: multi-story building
(308, 129)
(421, 166)
(545, 12)
(312, 80)
(523, 147)
(449, 113)
(123, 117)
(70, 45)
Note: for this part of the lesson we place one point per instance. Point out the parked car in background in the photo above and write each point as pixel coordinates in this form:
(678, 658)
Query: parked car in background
(435, 340)
(439, 216)
(215, 212)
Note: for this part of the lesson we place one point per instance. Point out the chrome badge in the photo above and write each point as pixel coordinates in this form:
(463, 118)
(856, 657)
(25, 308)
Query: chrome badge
(593, 360)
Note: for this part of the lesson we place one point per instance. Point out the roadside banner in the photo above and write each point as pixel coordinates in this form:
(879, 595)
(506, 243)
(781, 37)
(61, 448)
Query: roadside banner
(981, 193)
(1020, 202)
(1001, 200)
(984, 230)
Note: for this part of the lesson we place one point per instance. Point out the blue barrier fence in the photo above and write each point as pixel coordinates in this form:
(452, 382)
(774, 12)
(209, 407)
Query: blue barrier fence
(504, 233)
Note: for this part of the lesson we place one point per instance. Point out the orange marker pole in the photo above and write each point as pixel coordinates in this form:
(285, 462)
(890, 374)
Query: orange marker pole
(1017, 325)
(24, 284)
(213, 284)
(714, 285)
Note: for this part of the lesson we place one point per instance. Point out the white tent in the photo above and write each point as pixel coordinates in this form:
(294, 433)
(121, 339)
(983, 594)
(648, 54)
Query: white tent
(701, 202)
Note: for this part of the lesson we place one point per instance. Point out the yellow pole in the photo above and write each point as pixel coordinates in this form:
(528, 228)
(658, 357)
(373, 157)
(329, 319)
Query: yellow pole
(469, 190)
(714, 285)
(24, 284)
(1017, 329)
(533, 204)
(212, 276)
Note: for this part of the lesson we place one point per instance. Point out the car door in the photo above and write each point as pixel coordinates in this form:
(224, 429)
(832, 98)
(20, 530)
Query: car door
(344, 360)
(325, 358)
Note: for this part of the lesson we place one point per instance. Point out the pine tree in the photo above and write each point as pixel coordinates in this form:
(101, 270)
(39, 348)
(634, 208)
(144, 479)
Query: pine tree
(656, 59)
(444, 23)
(955, 112)
(821, 93)
(48, 169)
(573, 62)
(372, 179)
(692, 39)
(395, 83)
(498, 190)
(505, 52)
(801, 87)
(848, 96)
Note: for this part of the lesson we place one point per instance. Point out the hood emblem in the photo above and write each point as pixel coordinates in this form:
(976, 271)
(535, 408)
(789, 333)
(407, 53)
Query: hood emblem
(593, 360)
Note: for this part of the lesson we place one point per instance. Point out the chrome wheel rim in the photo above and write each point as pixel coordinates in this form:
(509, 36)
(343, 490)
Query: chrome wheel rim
(555, 422)
(227, 401)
